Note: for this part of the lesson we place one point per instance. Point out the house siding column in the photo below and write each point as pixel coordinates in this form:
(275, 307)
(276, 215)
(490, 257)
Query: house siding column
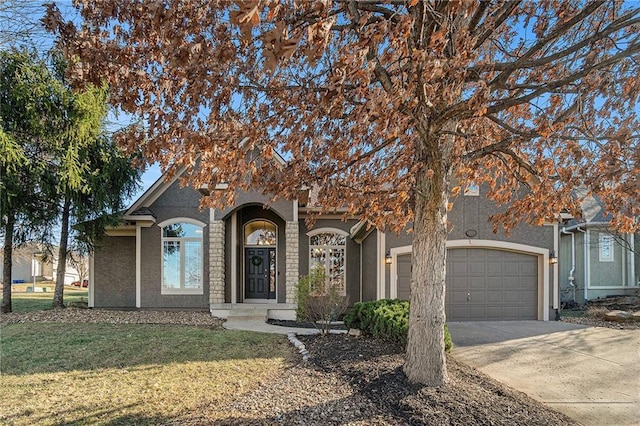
(292, 254)
(216, 261)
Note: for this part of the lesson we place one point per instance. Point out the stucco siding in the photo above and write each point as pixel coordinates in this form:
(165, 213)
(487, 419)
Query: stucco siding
(114, 279)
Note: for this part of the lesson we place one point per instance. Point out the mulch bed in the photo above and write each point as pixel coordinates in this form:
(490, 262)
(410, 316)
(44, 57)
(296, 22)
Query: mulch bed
(359, 381)
(374, 368)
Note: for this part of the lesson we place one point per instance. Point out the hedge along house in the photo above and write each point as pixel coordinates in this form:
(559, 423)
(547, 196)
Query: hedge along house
(596, 262)
(246, 259)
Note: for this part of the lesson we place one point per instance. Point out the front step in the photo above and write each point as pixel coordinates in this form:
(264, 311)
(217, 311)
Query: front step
(247, 314)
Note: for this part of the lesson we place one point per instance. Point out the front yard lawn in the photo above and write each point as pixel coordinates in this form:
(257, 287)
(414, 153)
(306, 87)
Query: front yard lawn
(23, 301)
(56, 373)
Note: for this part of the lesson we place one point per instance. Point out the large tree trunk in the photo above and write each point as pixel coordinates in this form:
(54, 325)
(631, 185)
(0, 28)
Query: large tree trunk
(7, 264)
(425, 358)
(58, 295)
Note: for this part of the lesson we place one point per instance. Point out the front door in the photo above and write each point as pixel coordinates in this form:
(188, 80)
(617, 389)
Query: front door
(259, 273)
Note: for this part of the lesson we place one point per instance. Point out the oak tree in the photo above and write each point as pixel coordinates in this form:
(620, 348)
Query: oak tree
(387, 107)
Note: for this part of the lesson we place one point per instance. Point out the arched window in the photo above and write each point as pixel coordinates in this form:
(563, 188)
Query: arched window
(327, 251)
(182, 258)
(260, 233)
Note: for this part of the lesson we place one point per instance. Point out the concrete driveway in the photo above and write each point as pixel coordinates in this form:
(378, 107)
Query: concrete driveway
(591, 374)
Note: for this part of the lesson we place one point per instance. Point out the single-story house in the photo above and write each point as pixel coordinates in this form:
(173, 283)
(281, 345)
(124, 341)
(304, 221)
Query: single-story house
(595, 261)
(169, 254)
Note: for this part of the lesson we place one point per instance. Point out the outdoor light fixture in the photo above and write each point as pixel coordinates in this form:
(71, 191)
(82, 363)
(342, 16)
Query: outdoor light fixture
(388, 258)
(553, 258)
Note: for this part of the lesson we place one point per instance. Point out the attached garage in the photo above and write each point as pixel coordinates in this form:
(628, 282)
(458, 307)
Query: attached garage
(483, 283)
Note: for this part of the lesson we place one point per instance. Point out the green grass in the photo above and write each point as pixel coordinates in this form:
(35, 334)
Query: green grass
(21, 301)
(56, 373)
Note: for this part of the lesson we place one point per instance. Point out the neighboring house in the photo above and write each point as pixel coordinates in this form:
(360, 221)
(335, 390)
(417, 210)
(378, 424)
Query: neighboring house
(31, 259)
(168, 254)
(28, 260)
(595, 261)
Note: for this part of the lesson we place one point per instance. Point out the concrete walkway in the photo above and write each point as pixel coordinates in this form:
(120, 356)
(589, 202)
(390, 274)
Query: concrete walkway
(591, 374)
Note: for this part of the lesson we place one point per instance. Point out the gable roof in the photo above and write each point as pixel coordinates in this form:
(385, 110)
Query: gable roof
(139, 210)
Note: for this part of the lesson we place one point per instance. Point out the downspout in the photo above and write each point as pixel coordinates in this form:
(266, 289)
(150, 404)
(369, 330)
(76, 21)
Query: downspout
(587, 261)
(571, 278)
(360, 271)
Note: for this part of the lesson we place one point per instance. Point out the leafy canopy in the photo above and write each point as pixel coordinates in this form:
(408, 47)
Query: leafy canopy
(361, 97)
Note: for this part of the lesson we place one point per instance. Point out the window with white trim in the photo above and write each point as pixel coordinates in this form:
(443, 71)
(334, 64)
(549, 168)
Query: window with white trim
(327, 251)
(606, 248)
(182, 259)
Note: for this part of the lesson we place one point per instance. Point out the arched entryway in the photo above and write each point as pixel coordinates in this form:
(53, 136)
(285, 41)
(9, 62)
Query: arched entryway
(260, 245)
(255, 255)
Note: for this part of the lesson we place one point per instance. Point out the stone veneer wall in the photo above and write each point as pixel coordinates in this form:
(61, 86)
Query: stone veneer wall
(216, 261)
(291, 271)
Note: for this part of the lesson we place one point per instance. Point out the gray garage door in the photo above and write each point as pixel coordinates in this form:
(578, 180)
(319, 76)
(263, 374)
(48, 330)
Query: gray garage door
(484, 284)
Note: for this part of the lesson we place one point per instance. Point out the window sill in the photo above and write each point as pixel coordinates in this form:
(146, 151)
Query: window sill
(196, 292)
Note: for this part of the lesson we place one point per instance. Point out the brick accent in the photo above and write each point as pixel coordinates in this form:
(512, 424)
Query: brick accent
(216, 261)
(292, 254)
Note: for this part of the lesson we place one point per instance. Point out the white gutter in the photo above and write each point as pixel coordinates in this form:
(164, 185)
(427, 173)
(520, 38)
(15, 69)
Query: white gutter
(579, 226)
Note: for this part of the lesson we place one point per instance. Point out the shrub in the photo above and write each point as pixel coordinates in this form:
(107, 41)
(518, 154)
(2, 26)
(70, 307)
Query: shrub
(386, 319)
(319, 301)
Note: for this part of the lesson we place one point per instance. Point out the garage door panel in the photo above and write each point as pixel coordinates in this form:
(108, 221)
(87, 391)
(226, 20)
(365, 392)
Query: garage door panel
(528, 269)
(476, 269)
(477, 312)
(494, 269)
(514, 282)
(525, 280)
(526, 296)
(502, 285)
(458, 297)
(494, 283)
(478, 283)
(494, 297)
(458, 282)
(457, 267)
(457, 312)
(477, 297)
(510, 268)
(511, 296)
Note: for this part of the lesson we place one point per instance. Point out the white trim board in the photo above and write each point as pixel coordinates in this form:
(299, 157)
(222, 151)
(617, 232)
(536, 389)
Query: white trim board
(541, 253)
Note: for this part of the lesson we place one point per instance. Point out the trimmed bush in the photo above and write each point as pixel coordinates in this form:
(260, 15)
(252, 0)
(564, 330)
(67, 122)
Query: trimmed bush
(386, 319)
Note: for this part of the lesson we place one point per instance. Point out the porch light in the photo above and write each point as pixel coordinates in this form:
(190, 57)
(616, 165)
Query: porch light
(553, 257)
(388, 259)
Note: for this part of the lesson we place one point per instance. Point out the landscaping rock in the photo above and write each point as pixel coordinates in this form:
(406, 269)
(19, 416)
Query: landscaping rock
(76, 315)
(355, 332)
(617, 316)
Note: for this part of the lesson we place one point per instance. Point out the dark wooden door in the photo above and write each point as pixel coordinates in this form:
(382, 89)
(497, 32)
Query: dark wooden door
(257, 274)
